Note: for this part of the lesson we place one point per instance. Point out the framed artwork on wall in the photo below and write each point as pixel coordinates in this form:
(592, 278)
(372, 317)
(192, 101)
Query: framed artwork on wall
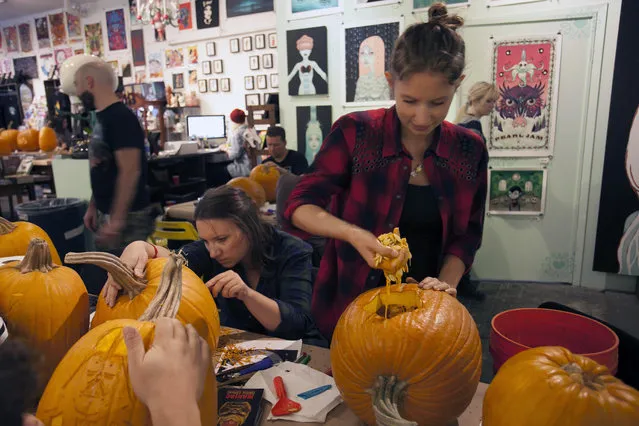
(359, 4)
(206, 67)
(267, 61)
(210, 48)
(526, 73)
(272, 40)
(307, 56)
(261, 81)
(249, 82)
(313, 125)
(517, 191)
(234, 45)
(178, 81)
(247, 44)
(275, 80)
(218, 66)
(207, 14)
(225, 84)
(252, 99)
(213, 85)
(254, 62)
(425, 4)
(260, 41)
(490, 3)
(192, 77)
(366, 51)
(235, 8)
(202, 86)
(302, 9)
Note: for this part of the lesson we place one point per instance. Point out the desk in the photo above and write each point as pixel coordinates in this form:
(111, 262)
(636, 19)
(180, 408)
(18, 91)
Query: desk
(186, 211)
(342, 415)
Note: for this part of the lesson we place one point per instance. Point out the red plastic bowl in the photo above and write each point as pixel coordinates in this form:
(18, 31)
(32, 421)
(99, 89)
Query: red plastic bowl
(516, 330)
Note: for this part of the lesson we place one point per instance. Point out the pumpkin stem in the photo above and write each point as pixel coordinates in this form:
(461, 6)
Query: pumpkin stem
(114, 266)
(37, 258)
(166, 301)
(6, 227)
(387, 395)
(592, 381)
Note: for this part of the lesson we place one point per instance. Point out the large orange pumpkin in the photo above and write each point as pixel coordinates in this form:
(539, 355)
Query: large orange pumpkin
(8, 141)
(197, 306)
(550, 386)
(28, 140)
(15, 238)
(46, 304)
(251, 187)
(47, 140)
(91, 384)
(411, 353)
(267, 176)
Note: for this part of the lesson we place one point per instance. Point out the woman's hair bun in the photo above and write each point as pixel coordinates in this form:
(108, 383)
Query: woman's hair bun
(438, 14)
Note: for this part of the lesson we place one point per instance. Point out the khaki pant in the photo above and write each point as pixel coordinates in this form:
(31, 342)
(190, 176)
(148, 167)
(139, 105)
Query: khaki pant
(140, 224)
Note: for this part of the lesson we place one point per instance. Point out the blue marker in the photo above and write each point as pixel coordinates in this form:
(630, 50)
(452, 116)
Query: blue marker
(314, 392)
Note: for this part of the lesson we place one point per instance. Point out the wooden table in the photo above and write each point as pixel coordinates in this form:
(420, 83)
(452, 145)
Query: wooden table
(186, 211)
(342, 415)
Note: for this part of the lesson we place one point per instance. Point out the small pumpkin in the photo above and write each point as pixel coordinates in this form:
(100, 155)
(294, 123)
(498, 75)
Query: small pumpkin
(28, 140)
(47, 139)
(197, 306)
(410, 356)
(9, 141)
(251, 187)
(267, 176)
(16, 236)
(46, 304)
(91, 384)
(550, 386)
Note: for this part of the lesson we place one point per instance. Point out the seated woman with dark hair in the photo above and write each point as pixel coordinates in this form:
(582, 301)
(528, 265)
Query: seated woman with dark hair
(261, 277)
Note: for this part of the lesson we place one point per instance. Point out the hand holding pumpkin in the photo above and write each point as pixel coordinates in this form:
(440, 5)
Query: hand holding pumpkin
(174, 367)
(430, 283)
(228, 284)
(135, 257)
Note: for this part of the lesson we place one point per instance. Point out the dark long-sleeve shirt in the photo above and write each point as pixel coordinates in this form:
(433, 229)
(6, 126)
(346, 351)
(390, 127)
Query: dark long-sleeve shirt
(286, 278)
(364, 168)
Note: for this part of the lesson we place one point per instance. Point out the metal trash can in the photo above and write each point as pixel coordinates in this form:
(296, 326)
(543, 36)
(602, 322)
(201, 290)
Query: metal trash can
(61, 218)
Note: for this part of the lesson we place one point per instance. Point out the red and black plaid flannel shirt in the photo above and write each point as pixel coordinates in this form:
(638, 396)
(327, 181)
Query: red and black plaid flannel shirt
(363, 168)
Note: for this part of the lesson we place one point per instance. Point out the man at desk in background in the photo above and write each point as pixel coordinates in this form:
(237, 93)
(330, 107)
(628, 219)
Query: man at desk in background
(288, 159)
(119, 211)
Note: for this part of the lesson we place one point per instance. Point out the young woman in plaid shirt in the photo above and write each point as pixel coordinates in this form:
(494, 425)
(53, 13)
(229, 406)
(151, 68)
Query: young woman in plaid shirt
(402, 166)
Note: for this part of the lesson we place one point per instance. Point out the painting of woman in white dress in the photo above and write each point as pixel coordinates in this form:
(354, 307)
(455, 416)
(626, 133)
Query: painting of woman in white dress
(307, 76)
(367, 53)
(628, 250)
(313, 125)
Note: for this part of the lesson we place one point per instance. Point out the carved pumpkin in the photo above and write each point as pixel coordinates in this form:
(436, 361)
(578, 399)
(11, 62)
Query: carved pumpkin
(267, 176)
(91, 384)
(409, 354)
(47, 140)
(28, 140)
(550, 386)
(197, 306)
(8, 141)
(15, 238)
(251, 187)
(46, 304)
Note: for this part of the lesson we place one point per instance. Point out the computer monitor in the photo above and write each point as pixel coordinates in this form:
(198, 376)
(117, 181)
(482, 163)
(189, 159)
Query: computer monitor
(205, 127)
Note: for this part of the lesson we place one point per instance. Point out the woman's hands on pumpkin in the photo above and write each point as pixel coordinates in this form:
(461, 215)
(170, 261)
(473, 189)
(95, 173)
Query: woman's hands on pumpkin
(169, 376)
(135, 257)
(228, 284)
(430, 283)
(368, 246)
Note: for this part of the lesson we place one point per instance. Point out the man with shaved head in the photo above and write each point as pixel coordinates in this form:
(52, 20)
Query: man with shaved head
(119, 211)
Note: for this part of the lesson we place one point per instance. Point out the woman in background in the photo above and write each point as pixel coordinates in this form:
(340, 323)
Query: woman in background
(481, 101)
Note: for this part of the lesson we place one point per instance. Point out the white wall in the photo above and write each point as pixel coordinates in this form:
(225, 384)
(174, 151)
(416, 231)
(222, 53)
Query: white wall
(236, 65)
(559, 246)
